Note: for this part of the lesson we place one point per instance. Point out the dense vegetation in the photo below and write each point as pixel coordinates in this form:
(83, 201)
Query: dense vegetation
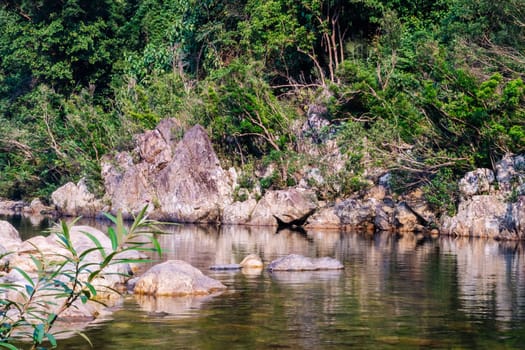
(426, 89)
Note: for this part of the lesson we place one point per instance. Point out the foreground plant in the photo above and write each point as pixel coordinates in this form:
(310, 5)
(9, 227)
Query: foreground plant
(68, 279)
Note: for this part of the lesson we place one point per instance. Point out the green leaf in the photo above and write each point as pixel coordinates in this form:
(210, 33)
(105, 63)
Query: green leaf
(25, 275)
(97, 243)
(111, 218)
(91, 288)
(38, 333)
(29, 289)
(156, 244)
(51, 339)
(85, 337)
(8, 346)
(113, 237)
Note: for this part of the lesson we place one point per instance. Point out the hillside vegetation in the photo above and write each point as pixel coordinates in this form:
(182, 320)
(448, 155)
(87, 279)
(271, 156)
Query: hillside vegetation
(424, 89)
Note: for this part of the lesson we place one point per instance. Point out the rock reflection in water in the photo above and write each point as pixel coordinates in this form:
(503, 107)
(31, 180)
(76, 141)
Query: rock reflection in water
(491, 277)
(175, 307)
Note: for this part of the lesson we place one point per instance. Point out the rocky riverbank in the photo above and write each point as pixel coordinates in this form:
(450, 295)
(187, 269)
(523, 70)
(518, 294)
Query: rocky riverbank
(185, 182)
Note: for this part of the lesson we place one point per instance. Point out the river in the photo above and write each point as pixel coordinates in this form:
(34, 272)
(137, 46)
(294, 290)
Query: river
(394, 293)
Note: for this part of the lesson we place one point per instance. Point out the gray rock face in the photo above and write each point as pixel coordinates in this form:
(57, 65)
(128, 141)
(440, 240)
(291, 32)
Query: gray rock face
(357, 213)
(291, 206)
(406, 220)
(316, 126)
(238, 212)
(324, 218)
(76, 200)
(476, 182)
(510, 171)
(481, 216)
(184, 185)
(176, 278)
(296, 262)
(491, 211)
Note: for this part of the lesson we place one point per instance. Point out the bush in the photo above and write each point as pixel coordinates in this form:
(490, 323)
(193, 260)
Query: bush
(63, 280)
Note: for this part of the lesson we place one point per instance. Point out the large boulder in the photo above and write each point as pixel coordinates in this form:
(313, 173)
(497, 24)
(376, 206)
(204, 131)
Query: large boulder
(324, 218)
(295, 262)
(186, 184)
(76, 200)
(9, 236)
(480, 216)
(284, 207)
(176, 278)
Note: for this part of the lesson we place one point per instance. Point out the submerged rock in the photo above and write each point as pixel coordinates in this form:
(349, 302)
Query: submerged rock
(251, 261)
(295, 262)
(176, 278)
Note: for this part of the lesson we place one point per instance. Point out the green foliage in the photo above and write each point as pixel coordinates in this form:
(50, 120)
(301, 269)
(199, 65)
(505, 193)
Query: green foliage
(243, 114)
(53, 140)
(441, 192)
(416, 87)
(31, 308)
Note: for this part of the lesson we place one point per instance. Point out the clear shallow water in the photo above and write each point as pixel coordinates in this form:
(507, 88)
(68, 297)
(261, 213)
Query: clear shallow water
(394, 293)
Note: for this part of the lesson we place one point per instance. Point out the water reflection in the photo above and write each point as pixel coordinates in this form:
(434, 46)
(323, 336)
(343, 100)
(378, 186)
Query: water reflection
(395, 292)
(179, 307)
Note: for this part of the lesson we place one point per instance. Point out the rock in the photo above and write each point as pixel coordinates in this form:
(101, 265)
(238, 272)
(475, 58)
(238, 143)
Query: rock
(128, 186)
(176, 278)
(284, 207)
(476, 182)
(480, 216)
(36, 207)
(383, 220)
(324, 218)
(296, 262)
(53, 251)
(515, 220)
(183, 185)
(377, 192)
(238, 212)
(252, 261)
(9, 236)
(510, 172)
(76, 200)
(417, 203)
(193, 187)
(355, 213)
(316, 125)
(9, 207)
(226, 267)
(154, 149)
(406, 220)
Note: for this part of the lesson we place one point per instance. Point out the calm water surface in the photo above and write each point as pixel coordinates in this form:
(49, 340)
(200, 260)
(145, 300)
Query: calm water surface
(394, 293)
